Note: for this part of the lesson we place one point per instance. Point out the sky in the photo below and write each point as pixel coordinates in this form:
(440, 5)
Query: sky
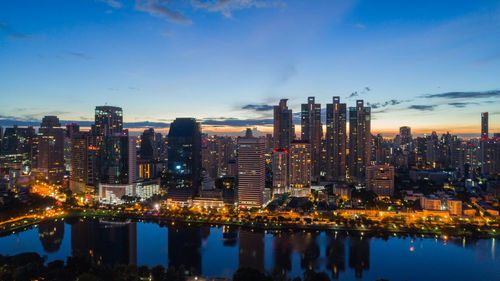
(430, 65)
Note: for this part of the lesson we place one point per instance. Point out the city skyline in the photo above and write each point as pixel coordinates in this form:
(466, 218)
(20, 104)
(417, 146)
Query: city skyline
(428, 66)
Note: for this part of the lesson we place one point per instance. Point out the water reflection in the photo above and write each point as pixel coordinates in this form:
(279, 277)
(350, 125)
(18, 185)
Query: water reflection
(218, 252)
(105, 242)
(51, 234)
(251, 250)
(335, 252)
(184, 248)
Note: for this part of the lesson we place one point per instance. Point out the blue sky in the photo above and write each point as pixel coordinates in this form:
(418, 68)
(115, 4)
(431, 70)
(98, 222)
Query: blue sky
(209, 59)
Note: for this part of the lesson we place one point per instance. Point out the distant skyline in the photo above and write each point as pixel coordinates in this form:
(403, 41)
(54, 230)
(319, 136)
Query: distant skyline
(424, 64)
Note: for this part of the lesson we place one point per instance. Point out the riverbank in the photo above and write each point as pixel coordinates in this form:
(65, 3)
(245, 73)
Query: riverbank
(351, 226)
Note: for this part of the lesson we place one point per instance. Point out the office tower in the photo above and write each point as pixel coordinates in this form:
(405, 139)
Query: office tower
(300, 164)
(359, 141)
(380, 179)
(71, 129)
(18, 144)
(283, 130)
(251, 171)
(118, 160)
(432, 151)
(108, 120)
(405, 136)
(484, 125)
(50, 150)
(336, 136)
(490, 156)
(312, 132)
(78, 161)
(149, 142)
(280, 169)
(184, 159)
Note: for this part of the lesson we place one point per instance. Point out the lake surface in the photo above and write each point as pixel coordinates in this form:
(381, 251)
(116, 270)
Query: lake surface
(219, 251)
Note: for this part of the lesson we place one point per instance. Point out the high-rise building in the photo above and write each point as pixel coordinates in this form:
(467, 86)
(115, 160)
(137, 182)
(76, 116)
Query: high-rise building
(50, 150)
(71, 129)
(280, 169)
(118, 160)
(380, 179)
(336, 137)
(78, 161)
(184, 160)
(359, 141)
(300, 164)
(108, 120)
(405, 135)
(251, 171)
(283, 129)
(312, 131)
(149, 150)
(484, 125)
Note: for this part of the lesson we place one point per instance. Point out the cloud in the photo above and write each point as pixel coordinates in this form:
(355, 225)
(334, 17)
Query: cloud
(78, 55)
(13, 34)
(386, 103)
(226, 7)
(112, 3)
(360, 25)
(461, 104)
(422, 107)
(461, 95)
(237, 122)
(364, 91)
(487, 59)
(160, 9)
(258, 107)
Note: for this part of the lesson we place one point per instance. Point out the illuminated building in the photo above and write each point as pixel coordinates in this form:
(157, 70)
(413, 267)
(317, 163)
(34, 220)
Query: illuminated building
(280, 169)
(405, 134)
(251, 170)
(359, 141)
(50, 150)
(380, 179)
(283, 129)
(336, 136)
(484, 125)
(78, 161)
(312, 132)
(118, 160)
(149, 149)
(108, 120)
(300, 165)
(184, 159)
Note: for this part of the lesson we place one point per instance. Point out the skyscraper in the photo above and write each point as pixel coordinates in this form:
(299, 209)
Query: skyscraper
(280, 169)
(484, 125)
(108, 120)
(405, 135)
(283, 129)
(149, 150)
(50, 150)
(359, 141)
(312, 132)
(380, 179)
(118, 160)
(336, 136)
(251, 171)
(300, 164)
(184, 159)
(78, 161)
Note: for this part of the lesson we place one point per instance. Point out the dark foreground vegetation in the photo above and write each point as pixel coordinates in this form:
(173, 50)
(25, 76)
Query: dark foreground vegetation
(30, 266)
